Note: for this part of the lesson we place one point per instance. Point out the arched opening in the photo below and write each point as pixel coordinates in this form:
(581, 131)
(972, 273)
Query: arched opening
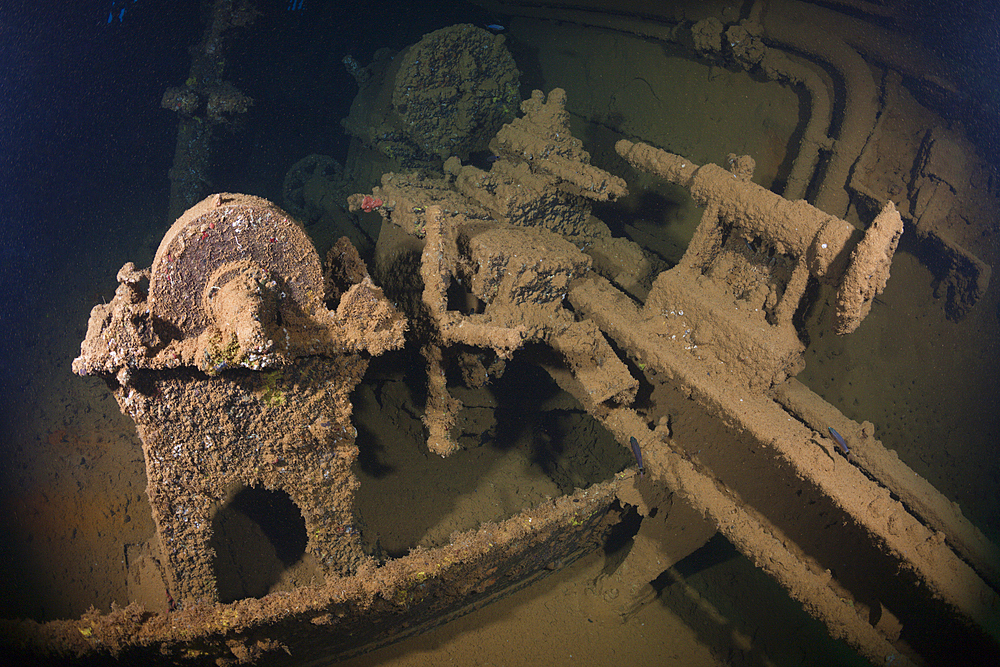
(257, 535)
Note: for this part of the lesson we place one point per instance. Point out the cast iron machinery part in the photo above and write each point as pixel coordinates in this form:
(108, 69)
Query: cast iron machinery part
(243, 301)
(868, 270)
(233, 233)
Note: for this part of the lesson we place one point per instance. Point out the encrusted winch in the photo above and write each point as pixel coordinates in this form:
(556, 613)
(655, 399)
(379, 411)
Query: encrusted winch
(238, 375)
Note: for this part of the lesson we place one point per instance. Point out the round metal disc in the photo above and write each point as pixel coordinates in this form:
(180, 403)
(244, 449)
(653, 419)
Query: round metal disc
(230, 229)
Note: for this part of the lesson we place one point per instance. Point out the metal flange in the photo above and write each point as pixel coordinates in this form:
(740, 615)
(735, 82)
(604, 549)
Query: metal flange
(220, 238)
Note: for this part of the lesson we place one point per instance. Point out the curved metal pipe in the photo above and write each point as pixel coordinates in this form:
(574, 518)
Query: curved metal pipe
(860, 96)
(789, 25)
(778, 66)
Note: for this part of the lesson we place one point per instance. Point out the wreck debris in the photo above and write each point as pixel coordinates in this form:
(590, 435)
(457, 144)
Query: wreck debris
(509, 240)
(543, 177)
(446, 95)
(868, 270)
(767, 546)
(285, 426)
(205, 103)
(753, 252)
(237, 375)
(941, 515)
(717, 328)
(946, 193)
(813, 242)
(342, 616)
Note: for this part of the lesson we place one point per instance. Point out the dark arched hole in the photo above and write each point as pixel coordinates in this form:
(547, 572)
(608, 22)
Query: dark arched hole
(256, 536)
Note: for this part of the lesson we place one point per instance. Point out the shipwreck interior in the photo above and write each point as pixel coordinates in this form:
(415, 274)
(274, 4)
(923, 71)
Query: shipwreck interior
(663, 330)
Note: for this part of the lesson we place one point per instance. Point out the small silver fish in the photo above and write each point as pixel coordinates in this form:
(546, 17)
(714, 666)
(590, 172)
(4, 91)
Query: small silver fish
(637, 453)
(840, 440)
(495, 27)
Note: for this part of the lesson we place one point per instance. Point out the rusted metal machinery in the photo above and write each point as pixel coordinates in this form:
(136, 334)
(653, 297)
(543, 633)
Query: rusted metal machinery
(237, 375)
(718, 327)
(238, 363)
